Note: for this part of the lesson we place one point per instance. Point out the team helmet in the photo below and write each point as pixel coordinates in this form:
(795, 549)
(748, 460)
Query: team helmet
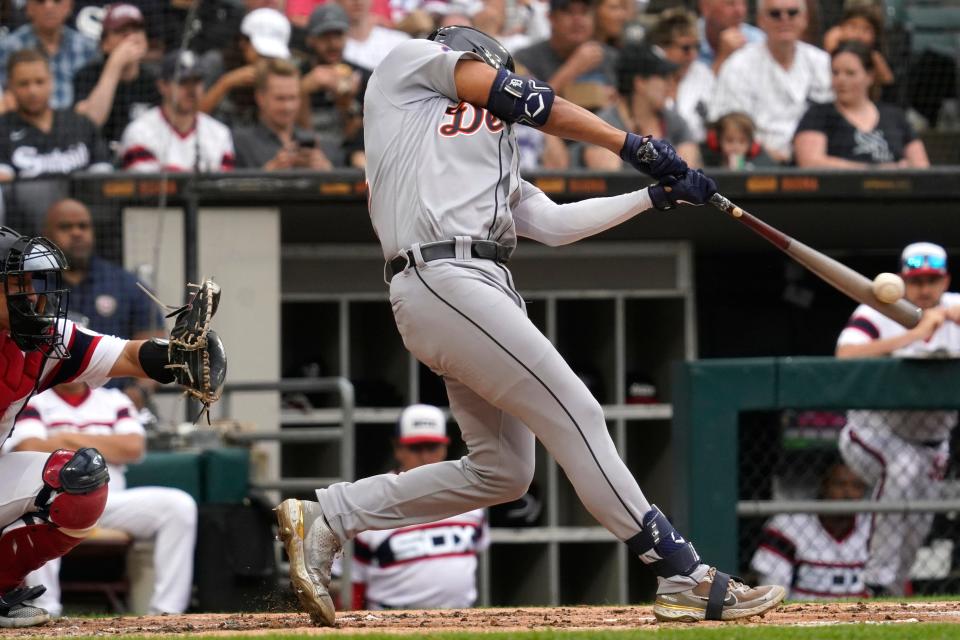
(461, 38)
(32, 272)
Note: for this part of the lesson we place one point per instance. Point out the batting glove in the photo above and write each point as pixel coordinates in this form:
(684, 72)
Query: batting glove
(693, 188)
(659, 162)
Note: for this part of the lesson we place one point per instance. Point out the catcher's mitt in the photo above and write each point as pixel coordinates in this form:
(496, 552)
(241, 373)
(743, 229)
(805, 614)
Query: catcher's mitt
(195, 352)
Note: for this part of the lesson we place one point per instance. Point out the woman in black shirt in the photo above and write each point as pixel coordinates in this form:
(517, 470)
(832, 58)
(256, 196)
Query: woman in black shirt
(853, 132)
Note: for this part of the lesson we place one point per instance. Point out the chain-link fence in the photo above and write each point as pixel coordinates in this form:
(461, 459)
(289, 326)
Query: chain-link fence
(896, 471)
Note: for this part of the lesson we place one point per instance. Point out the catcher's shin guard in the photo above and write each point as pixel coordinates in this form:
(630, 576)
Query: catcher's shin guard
(72, 500)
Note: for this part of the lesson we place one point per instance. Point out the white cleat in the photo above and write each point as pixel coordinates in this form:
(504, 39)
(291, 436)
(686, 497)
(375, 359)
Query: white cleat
(311, 547)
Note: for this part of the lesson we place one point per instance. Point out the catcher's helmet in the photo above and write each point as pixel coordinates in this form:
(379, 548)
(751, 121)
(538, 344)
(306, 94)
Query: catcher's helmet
(32, 273)
(460, 38)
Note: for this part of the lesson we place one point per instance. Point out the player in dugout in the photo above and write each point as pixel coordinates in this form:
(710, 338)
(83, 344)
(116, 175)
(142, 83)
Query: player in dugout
(427, 566)
(447, 203)
(902, 455)
(49, 502)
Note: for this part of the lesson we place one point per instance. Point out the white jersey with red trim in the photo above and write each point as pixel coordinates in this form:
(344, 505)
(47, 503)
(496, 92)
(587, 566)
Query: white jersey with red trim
(150, 144)
(866, 325)
(428, 566)
(99, 412)
(92, 356)
(798, 553)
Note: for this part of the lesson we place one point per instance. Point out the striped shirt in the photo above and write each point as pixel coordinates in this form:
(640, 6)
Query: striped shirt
(152, 144)
(75, 51)
(92, 356)
(99, 412)
(796, 552)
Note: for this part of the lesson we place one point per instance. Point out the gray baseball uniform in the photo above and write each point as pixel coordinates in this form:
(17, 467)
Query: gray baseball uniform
(442, 170)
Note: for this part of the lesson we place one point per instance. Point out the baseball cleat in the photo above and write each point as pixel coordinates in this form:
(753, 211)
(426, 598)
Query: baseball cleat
(311, 547)
(733, 601)
(15, 612)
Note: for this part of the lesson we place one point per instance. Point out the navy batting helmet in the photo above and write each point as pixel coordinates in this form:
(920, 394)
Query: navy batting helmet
(461, 38)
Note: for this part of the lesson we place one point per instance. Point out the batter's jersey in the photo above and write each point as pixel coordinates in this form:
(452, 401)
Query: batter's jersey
(92, 356)
(100, 412)
(429, 566)
(867, 324)
(798, 553)
(437, 167)
(150, 143)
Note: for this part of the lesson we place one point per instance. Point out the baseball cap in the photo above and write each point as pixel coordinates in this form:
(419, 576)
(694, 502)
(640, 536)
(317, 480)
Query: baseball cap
(269, 32)
(923, 259)
(422, 423)
(326, 18)
(182, 65)
(561, 5)
(122, 15)
(641, 59)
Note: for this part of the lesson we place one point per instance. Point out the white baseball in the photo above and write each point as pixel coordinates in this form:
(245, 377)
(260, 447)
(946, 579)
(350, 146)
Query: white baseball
(888, 287)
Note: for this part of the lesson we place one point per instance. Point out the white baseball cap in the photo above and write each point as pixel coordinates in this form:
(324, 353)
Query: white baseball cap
(923, 259)
(269, 32)
(422, 423)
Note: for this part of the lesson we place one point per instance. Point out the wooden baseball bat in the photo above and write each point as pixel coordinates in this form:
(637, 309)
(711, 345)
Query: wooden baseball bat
(837, 275)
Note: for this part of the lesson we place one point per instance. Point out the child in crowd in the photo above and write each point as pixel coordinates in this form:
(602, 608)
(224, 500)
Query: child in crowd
(731, 144)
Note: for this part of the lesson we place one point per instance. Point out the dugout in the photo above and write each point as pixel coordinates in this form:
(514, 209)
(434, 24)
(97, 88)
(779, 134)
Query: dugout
(662, 288)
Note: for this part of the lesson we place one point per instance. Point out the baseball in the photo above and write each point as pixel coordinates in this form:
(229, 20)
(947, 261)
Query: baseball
(888, 287)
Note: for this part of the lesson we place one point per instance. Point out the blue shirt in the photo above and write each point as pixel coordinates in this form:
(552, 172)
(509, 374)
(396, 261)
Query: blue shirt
(708, 55)
(115, 305)
(74, 53)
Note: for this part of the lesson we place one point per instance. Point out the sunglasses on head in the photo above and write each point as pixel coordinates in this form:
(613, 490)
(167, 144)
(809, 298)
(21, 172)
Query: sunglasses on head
(920, 261)
(777, 14)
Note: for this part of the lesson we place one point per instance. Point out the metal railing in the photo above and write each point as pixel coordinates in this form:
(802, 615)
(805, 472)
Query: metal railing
(843, 507)
(344, 433)
(305, 435)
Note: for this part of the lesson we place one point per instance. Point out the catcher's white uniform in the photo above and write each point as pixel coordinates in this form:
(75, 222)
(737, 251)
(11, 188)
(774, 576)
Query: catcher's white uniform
(166, 515)
(901, 454)
(798, 553)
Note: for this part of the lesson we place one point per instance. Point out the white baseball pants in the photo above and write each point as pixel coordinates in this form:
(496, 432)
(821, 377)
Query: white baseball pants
(162, 514)
(506, 384)
(21, 479)
(897, 469)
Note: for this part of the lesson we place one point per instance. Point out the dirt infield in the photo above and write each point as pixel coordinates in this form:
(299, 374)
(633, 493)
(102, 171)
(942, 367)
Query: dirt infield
(418, 622)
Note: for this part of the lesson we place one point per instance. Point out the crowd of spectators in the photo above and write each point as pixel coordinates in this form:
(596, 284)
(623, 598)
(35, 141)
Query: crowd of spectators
(278, 85)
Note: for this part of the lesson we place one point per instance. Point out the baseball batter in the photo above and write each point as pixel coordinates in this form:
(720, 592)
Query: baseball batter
(902, 454)
(447, 203)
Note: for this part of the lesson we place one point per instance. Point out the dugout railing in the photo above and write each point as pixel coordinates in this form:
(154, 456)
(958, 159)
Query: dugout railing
(739, 423)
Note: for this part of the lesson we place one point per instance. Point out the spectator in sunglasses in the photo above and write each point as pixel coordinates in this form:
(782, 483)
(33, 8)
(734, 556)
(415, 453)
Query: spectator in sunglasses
(902, 455)
(675, 33)
(774, 81)
(67, 50)
(723, 29)
(430, 566)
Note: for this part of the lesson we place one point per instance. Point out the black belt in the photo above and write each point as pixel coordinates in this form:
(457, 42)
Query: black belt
(483, 249)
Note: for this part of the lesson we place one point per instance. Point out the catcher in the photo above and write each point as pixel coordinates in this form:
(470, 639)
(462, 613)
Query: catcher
(50, 502)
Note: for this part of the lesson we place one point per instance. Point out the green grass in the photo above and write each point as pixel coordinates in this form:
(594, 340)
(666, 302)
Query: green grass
(922, 631)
